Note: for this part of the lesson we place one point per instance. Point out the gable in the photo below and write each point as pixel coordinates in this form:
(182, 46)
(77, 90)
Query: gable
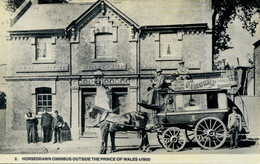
(133, 12)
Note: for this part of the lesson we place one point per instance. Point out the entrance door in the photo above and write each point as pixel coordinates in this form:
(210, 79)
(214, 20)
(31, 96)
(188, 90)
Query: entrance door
(88, 100)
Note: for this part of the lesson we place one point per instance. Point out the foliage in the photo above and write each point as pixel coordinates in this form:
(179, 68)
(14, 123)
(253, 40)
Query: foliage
(12, 5)
(225, 12)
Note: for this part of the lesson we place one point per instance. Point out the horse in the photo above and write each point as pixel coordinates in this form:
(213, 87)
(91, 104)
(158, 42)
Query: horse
(110, 123)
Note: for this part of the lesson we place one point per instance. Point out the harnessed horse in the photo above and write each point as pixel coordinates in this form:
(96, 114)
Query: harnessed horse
(110, 123)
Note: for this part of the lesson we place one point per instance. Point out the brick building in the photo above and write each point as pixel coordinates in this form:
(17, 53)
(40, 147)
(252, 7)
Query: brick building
(70, 56)
(256, 68)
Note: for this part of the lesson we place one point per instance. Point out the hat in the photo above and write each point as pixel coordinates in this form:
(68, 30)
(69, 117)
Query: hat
(234, 108)
(181, 62)
(56, 111)
(158, 70)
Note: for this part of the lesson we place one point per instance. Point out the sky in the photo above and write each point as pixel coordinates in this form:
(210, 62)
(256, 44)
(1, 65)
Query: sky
(241, 40)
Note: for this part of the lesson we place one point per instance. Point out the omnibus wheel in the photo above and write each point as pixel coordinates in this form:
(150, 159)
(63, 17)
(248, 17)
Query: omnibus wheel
(210, 133)
(190, 134)
(159, 138)
(173, 139)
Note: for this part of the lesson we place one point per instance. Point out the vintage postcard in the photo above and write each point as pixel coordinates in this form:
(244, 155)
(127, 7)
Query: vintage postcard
(129, 81)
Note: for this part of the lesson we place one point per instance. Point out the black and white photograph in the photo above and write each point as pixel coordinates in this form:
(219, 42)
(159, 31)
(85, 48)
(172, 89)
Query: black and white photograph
(130, 81)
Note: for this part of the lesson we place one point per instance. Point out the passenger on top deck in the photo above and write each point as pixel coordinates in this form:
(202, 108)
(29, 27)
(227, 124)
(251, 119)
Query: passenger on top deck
(151, 98)
(182, 71)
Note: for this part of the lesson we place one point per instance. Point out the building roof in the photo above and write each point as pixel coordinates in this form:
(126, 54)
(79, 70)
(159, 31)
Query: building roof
(165, 12)
(143, 13)
(49, 16)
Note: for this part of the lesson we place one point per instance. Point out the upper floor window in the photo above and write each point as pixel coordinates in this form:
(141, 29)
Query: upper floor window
(43, 48)
(43, 99)
(169, 45)
(103, 45)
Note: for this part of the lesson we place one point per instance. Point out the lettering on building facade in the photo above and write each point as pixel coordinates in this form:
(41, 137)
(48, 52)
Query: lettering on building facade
(42, 68)
(106, 67)
(105, 81)
(169, 66)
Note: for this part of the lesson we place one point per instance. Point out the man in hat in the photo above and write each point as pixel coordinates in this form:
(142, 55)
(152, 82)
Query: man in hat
(57, 124)
(182, 71)
(46, 123)
(234, 126)
(157, 83)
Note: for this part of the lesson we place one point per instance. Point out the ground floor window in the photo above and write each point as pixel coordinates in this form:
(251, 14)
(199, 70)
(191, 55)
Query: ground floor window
(43, 99)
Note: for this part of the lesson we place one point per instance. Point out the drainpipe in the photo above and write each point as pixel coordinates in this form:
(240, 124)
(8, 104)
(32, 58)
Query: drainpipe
(138, 68)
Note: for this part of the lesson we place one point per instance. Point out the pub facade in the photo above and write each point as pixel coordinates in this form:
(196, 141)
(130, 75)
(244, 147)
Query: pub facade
(68, 57)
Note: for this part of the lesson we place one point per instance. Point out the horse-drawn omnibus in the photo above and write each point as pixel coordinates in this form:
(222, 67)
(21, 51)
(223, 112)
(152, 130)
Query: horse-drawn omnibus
(193, 110)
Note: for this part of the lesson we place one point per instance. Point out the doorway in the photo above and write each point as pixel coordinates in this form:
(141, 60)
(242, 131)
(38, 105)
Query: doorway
(88, 100)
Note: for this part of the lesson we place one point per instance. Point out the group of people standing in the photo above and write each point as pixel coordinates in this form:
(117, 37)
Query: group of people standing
(49, 123)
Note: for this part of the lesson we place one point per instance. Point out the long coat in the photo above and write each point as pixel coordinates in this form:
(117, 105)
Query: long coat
(46, 120)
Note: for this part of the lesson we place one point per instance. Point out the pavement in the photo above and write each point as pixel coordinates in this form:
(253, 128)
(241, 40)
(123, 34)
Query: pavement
(125, 145)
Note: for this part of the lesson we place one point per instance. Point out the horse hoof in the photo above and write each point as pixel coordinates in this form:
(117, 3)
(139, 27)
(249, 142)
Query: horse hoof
(148, 150)
(112, 151)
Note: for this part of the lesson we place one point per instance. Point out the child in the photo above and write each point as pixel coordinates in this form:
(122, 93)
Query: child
(234, 125)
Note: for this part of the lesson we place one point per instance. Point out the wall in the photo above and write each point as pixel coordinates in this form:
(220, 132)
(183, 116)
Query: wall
(252, 113)
(195, 48)
(23, 62)
(257, 70)
(18, 104)
(123, 51)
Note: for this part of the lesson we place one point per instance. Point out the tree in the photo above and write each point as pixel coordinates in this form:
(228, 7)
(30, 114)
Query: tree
(225, 12)
(12, 5)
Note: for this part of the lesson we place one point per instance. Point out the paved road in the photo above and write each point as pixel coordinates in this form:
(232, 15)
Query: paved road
(124, 146)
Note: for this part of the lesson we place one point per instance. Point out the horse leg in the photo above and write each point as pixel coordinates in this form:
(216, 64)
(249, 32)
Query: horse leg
(142, 141)
(145, 141)
(104, 136)
(112, 138)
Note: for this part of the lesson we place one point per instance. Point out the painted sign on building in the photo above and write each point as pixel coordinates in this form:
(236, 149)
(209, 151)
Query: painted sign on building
(43, 68)
(105, 81)
(219, 83)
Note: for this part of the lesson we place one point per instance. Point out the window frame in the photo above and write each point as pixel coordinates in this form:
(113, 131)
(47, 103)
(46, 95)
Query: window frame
(176, 53)
(108, 48)
(42, 92)
(49, 59)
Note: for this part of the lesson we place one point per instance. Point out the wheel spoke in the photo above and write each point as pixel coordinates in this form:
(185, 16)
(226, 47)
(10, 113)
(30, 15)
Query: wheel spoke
(205, 141)
(170, 133)
(210, 123)
(217, 127)
(214, 142)
(170, 144)
(214, 124)
(206, 124)
(166, 140)
(190, 134)
(203, 126)
(177, 146)
(209, 142)
(167, 135)
(173, 146)
(218, 139)
(222, 130)
(219, 135)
